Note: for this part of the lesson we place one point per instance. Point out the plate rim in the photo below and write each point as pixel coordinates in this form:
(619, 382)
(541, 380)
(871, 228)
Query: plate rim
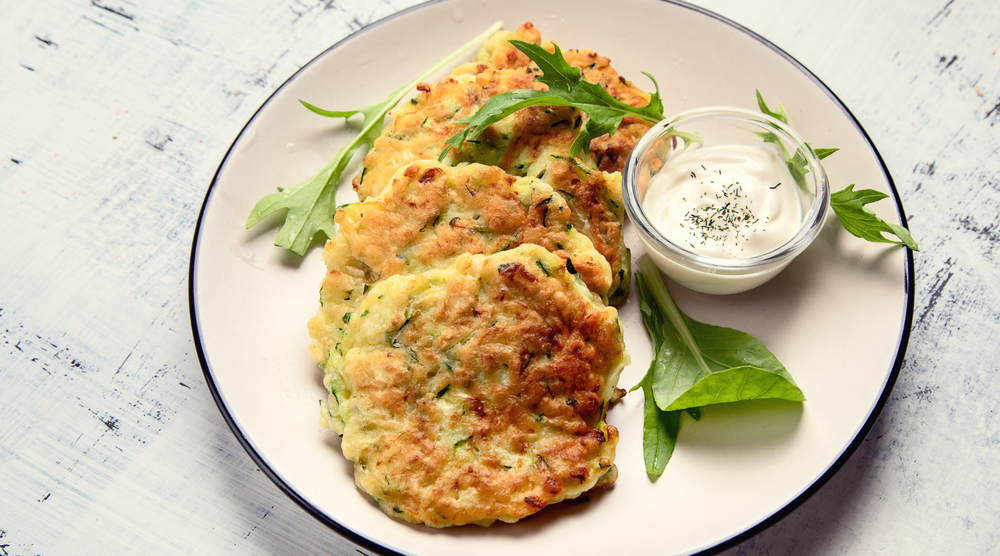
(776, 516)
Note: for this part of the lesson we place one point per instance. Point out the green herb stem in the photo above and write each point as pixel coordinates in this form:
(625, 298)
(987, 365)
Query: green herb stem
(666, 304)
(310, 205)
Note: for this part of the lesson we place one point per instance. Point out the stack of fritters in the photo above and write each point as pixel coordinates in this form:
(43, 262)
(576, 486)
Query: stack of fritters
(463, 327)
(533, 142)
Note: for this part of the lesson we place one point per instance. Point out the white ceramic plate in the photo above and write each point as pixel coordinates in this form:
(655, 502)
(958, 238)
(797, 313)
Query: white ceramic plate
(838, 317)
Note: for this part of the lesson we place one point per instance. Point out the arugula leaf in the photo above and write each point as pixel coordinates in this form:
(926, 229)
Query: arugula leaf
(778, 114)
(797, 164)
(310, 205)
(823, 153)
(849, 205)
(696, 364)
(782, 116)
(566, 88)
(846, 203)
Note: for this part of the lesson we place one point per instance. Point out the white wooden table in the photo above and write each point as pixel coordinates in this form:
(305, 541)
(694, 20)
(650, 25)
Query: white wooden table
(114, 115)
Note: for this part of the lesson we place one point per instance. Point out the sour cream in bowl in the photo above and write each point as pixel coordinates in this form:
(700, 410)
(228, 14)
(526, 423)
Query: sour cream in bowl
(724, 198)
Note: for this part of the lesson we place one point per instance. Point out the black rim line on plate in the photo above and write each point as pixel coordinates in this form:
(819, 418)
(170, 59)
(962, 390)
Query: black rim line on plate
(908, 285)
(905, 325)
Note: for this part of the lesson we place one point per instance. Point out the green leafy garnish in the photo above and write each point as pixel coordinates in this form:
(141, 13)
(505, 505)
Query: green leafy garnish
(796, 162)
(849, 205)
(778, 114)
(659, 431)
(694, 365)
(659, 428)
(310, 205)
(566, 88)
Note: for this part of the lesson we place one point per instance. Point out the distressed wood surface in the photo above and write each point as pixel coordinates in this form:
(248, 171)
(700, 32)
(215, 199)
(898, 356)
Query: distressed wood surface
(114, 115)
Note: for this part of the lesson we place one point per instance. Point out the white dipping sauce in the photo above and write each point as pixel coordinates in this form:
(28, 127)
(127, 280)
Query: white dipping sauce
(725, 201)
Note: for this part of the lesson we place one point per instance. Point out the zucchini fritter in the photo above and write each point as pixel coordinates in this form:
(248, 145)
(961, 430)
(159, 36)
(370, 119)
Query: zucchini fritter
(426, 218)
(477, 392)
(532, 142)
(463, 330)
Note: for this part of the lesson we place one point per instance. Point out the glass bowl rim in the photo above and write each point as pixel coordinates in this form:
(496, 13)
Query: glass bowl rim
(811, 224)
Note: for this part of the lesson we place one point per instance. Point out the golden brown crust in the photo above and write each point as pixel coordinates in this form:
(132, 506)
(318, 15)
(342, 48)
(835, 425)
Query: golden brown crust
(478, 392)
(419, 129)
(595, 198)
(469, 366)
(429, 216)
(532, 142)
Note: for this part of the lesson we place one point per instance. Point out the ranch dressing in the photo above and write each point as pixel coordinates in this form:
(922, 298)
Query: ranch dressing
(725, 201)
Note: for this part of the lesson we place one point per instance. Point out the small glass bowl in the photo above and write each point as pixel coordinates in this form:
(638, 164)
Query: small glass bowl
(720, 126)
